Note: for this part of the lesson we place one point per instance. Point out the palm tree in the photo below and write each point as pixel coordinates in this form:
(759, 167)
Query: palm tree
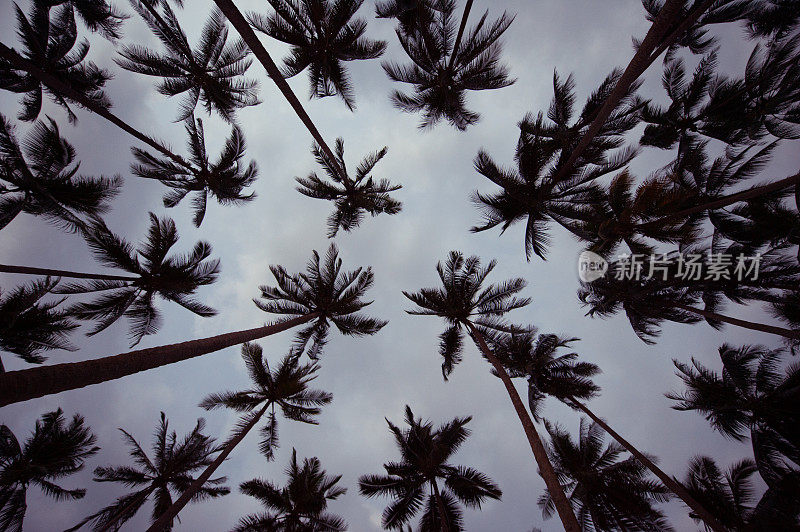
(751, 394)
(323, 294)
(40, 177)
(413, 15)
(322, 35)
(463, 303)
(538, 191)
(97, 15)
(53, 451)
(29, 325)
(352, 197)
(286, 386)
(225, 179)
(606, 492)
(169, 470)
(443, 70)
(212, 74)
(300, 505)
(425, 453)
(562, 376)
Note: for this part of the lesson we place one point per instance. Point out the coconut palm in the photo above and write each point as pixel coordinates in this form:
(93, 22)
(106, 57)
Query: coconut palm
(425, 458)
(40, 177)
(537, 192)
(169, 470)
(212, 74)
(463, 302)
(323, 295)
(53, 451)
(97, 15)
(322, 35)
(413, 15)
(352, 197)
(607, 493)
(225, 179)
(301, 505)
(29, 325)
(442, 71)
(285, 386)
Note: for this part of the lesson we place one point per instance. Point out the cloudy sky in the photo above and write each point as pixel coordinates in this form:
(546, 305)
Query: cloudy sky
(370, 378)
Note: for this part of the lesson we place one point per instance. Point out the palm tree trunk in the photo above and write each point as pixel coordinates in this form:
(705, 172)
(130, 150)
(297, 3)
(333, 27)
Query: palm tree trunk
(163, 522)
(250, 38)
(22, 385)
(137, 500)
(563, 507)
(5, 268)
(641, 60)
(440, 505)
(724, 201)
(59, 87)
(693, 17)
(673, 485)
(786, 333)
(461, 27)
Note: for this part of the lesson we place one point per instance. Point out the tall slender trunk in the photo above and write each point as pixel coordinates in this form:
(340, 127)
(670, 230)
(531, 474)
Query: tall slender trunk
(641, 60)
(6, 268)
(563, 507)
(440, 505)
(63, 89)
(250, 38)
(673, 485)
(461, 27)
(22, 385)
(166, 518)
(780, 331)
(137, 500)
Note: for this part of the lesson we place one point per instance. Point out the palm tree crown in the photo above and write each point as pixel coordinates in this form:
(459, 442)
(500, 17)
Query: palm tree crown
(462, 299)
(425, 453)
(224, 179)
(413, 15)
(440, 74)
(170, 470)
(323, 35)
(211, 74)
(300, 506)
(607, 494)
(97, 15)
(53, 451)
(174, 278)
(352, 197)
(29, 325)
(325, 290)
(40, 177)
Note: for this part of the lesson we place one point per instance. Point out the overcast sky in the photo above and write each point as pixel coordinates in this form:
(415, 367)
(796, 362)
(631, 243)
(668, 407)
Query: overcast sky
(370, 378)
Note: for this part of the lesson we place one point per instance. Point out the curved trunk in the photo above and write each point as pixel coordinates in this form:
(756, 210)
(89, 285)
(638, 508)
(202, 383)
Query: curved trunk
(673, 485)
(138, 500)
(440, 505)
(16, 386)
(250, 38)
(545, 467)
(6, 268)
(63, 89)
(781, 331)
(461, 27)
(167, 517)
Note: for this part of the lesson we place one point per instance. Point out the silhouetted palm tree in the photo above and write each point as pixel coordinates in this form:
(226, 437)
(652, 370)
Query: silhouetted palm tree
(300, 505)
(413, 15)
(322, 294)
(322, 35)
(607, 494)
(285, 386)
(212, 74)
(40, 177)
(53, 451)
(225, 179)
(169, 470)
(425, 454)
(537, 192)
(98, 15)
(352, 197)
(462, 302)
(443, 70)
(29, 325)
